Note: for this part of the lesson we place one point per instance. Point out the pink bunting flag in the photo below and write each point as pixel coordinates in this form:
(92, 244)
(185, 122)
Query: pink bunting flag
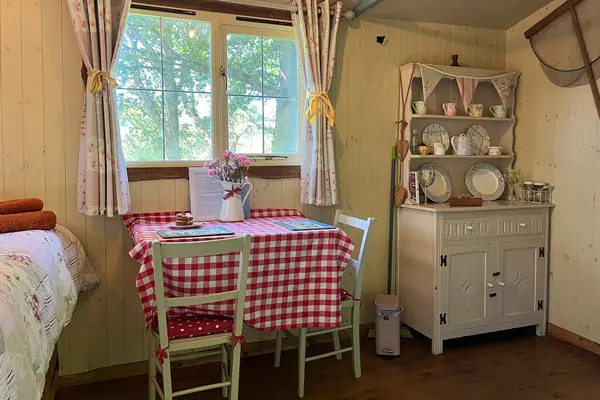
(467, 87)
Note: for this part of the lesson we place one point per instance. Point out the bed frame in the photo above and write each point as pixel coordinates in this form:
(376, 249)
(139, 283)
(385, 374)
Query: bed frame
(51, 385)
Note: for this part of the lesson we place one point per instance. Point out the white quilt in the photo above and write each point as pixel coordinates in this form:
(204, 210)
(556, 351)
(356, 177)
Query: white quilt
(37, 298)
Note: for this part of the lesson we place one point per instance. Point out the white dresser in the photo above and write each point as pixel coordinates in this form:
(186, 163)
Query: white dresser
(469, 270)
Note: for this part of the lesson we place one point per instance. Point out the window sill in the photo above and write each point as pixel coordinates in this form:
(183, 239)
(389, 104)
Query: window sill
(141, 173)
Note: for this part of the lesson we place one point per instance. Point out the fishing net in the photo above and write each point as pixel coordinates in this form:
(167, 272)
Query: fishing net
(557, 49)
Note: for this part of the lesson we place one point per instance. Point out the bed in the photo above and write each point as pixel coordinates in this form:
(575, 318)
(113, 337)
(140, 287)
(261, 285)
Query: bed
(41, 275)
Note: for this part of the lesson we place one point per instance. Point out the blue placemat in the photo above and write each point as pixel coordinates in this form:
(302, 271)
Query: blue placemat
(303, 225)
(188, 233)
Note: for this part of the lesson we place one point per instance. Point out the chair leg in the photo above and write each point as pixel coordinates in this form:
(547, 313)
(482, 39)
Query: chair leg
(151, 370)
(166, 374)
(356, 339)
(224, 369)
(301, 362)
(336, 344)
(278, 340)
(235, 373)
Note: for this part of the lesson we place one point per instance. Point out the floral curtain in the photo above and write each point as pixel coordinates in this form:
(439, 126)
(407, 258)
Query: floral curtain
(316, 40)
(103, 188)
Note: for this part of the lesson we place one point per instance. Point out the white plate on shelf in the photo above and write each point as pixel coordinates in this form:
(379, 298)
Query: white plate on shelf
(441, 190)
(480, 139)
(485, 181)
(435, 133)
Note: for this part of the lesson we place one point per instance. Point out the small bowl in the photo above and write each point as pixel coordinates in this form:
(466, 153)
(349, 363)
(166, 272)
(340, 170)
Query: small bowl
(424, 150)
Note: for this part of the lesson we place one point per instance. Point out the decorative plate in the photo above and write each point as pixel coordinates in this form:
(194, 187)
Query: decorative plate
(435, 133)
(485, 181)
(480, 139)
(441, 190)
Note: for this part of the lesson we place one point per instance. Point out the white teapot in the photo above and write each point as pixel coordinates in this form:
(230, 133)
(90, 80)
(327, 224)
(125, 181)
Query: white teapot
(462, 145)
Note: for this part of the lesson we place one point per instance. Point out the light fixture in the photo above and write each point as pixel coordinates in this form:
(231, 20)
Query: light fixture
(192, 33)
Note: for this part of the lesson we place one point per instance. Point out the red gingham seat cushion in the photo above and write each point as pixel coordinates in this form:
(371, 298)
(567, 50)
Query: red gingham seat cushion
(188, 327)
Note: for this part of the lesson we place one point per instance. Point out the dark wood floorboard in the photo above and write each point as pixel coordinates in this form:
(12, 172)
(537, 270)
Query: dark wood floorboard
(516, 367)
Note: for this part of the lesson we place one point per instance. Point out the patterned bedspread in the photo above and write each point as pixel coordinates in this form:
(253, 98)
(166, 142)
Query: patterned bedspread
(37, 298)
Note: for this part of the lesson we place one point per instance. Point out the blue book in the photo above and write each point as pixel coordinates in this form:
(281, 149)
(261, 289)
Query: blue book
(304, 225)
(189, 233)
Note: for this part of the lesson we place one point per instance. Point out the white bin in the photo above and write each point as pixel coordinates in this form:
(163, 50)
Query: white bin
(387, 327)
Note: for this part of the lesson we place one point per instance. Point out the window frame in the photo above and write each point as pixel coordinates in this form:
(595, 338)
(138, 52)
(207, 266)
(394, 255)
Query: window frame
(220, 26)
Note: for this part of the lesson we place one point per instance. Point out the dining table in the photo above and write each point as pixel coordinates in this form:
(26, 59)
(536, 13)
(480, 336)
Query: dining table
(293, 280)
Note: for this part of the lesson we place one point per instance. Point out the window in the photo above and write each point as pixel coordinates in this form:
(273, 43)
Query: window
(189, 89)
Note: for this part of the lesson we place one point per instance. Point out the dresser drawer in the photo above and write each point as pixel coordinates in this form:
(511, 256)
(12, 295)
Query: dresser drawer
(467, 228)
(521, 225)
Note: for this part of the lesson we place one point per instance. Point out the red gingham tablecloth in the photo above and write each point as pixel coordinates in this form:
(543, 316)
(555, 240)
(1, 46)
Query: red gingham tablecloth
(293, 280)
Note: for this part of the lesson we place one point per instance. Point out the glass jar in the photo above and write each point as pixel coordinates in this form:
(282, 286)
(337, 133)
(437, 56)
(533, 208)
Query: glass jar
(528, 191)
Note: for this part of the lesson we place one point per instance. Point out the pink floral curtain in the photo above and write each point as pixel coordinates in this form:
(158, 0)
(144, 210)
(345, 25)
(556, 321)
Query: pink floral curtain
(316, 40)
(103, 188)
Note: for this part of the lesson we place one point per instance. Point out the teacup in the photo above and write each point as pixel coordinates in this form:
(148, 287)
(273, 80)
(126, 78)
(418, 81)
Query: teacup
(476, 110)
(498, 111)
(439, 149)
(449, 109)
(420, 107)
(495, 150)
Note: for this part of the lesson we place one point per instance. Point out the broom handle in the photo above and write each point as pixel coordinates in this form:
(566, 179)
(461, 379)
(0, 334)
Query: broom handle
(391, 232)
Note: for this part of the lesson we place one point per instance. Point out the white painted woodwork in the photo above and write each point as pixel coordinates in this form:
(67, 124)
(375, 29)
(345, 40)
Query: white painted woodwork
(454, 281)
(558, 140)
(41, 96)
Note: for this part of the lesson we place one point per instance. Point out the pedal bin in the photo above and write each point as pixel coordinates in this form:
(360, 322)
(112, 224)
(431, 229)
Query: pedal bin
(387, 325)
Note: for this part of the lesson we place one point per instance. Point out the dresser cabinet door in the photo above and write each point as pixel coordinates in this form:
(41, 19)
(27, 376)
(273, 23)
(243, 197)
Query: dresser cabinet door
(521, 279)
(466, 277)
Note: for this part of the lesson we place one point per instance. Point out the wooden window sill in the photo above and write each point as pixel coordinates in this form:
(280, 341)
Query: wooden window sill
(136, 174)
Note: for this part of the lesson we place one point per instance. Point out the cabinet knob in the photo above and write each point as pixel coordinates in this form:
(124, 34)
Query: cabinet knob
(522, 224)
(501, 284)
(469, 227)
(490, 285)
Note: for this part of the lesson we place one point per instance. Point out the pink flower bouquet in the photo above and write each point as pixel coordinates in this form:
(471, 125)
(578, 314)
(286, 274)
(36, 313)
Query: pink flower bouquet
(230, 167)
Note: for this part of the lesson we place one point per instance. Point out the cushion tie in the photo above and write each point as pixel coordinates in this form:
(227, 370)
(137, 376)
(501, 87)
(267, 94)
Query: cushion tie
(238, 339)
(161, 354)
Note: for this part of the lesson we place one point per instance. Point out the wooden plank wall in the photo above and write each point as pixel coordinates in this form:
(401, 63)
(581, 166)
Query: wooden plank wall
(40, 104)
(558, 141)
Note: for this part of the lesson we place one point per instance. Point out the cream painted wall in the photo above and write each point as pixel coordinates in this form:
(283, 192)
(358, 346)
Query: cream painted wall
(558, 141)
(40, 103)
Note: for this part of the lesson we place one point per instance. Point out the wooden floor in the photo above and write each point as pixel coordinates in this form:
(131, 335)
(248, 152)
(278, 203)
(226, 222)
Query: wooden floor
(517, 367)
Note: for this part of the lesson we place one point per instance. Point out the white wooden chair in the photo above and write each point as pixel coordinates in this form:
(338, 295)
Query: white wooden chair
(348, 300)
(183, 338)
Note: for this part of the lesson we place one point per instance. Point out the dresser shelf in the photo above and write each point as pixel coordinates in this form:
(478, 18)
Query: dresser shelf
(461, 118)
(455, 157)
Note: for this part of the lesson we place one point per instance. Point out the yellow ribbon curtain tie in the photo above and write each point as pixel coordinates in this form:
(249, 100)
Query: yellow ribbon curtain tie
(98, 78)
(313, 107)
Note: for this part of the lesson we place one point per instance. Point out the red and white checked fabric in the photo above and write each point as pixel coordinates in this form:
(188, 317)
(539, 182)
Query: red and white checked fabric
(294, 277)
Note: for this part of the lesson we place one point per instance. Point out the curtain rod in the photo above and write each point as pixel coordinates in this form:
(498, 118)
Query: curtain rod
(348, 15)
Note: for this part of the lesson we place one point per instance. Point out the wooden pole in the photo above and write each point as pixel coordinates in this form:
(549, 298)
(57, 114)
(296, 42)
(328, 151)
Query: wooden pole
(586, 59)
(553, 16)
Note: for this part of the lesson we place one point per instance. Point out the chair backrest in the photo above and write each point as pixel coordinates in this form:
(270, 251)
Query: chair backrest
(356, 264)
(163, 250)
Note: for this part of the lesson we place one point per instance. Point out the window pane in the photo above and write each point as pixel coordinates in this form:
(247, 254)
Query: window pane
(244, 64)
(188, 126)
(141, 125)
(280, 68)
(245, 124)
(139, 57)
(186, 55)
(281, 126)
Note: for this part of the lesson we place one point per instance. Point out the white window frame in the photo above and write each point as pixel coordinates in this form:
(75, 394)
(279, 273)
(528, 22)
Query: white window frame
(220, 26)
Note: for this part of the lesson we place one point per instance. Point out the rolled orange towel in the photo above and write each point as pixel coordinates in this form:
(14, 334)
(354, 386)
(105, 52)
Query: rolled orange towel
(20, 206)
(37, 220)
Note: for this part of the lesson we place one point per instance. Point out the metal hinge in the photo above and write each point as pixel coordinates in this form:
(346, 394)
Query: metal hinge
(540, 304)
(443, 319)
(541, 252)
(443, 261)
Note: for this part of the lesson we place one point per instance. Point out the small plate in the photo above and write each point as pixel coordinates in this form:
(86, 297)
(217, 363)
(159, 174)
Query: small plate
(480, 139)
(435, 133)
(485, 181)
(441, 190)
(193, 226)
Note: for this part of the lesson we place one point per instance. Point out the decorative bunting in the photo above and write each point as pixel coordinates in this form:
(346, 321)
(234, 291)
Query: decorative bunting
(467, 87)
(430, 77)
(502, 85)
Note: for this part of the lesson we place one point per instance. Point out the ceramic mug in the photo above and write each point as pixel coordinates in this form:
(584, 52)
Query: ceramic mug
(495, 150)
(498, 111)
(449, 109)
(420, 107)
(439, 149)
(476, 110)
